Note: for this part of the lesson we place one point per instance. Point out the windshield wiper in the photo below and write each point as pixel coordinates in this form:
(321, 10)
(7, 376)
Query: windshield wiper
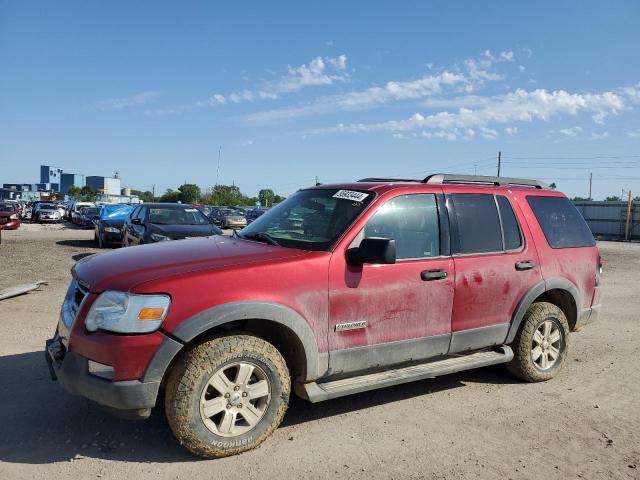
(261, 236)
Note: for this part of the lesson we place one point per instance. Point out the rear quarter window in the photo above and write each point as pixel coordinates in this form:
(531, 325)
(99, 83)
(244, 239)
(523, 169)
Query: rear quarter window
(562, 224)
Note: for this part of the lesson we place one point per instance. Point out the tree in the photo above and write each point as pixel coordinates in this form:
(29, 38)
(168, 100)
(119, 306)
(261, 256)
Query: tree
(552, 186)
(613, 198)
(189, 193)
(170, 196)
(74, 192)
(145, 196)
(278, 199)
(226, 195)
(580, 199)
(266, 196)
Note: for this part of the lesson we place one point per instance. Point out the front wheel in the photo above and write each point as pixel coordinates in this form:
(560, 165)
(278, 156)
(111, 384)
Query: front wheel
(227, 395)
(541, 344)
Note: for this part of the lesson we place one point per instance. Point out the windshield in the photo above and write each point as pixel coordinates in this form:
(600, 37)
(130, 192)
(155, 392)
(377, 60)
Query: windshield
(48, 207)
(177, 216)
(92, 211)
(115, 212)
(7, 208)
(310, 219)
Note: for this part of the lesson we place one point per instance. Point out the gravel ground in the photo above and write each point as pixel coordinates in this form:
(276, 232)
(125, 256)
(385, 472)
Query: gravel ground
(476, 424)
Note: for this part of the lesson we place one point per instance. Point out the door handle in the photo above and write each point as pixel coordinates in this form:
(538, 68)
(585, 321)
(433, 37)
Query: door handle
(525, 265)
(428, 275)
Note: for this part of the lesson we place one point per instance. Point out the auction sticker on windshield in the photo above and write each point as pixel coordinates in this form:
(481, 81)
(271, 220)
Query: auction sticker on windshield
(351, 195)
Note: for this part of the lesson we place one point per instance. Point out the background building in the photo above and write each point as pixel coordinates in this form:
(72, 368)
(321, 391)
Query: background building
(51, 175)
(107, 185)
(71, 180)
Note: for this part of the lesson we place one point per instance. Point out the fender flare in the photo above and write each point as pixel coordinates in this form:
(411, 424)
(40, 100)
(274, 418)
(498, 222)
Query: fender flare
(205, 320)
(552, 283)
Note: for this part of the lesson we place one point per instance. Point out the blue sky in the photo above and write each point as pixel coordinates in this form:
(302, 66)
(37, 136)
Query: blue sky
(338, 90)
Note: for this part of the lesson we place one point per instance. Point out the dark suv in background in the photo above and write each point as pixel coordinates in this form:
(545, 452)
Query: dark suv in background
(159, 222)
(337, 290)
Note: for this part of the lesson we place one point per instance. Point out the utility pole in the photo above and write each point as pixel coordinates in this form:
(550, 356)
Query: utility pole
(153, 192)
(499, 161)
(590, 184)
(627, 223)
(317, 180)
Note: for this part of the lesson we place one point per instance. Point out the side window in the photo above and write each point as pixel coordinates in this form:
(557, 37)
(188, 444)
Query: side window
(478, 223)
(142, 213)
(562, 224)
(510, 227)
(412, 221)
(134, 214)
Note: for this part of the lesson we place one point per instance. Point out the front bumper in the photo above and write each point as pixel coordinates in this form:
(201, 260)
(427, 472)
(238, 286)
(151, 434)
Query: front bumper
(72, 371)
(11, 225)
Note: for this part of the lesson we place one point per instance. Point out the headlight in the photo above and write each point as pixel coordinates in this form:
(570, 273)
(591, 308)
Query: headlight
(127, 313)
(111, 229)
(156, 237)
(13, 217)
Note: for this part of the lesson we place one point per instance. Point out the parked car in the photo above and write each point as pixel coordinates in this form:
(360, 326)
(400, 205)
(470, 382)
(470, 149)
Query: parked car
(225, 217)
(254, 213)
(384, 282)
(89, 216)
(108, 228)
(46, 212)
(9, 216)
(159, 222)
(74, 211)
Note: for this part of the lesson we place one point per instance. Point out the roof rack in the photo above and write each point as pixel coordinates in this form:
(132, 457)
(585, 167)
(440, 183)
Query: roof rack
(438, 179)
(382, 180)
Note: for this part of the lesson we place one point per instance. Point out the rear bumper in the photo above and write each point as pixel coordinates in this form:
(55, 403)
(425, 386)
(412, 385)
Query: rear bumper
(72, 371)
(587, 316)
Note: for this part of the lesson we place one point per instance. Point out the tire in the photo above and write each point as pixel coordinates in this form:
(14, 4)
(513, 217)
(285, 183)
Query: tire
(190, 389)
(543, 334)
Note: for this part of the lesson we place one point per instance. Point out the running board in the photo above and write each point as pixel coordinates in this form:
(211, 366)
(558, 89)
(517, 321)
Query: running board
(317, 392)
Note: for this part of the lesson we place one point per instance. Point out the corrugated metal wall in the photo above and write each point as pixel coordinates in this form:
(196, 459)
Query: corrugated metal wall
(607, 219)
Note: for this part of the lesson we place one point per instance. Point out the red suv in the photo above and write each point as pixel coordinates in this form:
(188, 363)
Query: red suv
(339, 289)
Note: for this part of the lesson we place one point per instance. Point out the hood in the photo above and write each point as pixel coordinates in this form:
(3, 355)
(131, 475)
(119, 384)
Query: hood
(118, 223)
(125, 268)
(7, 214)
(182, 231)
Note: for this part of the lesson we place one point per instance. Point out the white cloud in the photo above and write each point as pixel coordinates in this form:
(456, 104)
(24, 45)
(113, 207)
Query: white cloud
(599, 136)
(319, 71)
(489, 133)
(474, 74)
(511, 131)
(126, 102)
(634, 133)
(507, 56)
(518, 106)
(570, 132)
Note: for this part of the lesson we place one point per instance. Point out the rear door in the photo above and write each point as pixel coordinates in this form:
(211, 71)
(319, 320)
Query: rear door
(380, 315)
(494, 265)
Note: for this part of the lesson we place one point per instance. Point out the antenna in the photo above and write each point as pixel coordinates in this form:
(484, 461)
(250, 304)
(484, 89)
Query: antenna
(218, 169)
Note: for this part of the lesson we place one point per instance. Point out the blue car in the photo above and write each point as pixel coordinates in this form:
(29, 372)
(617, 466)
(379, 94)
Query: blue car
(108, 228)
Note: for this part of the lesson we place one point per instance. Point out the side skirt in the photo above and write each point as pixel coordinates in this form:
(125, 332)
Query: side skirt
(318, 392)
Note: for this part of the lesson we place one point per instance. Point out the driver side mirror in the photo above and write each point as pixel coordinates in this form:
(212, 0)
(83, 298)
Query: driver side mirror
(136, 221)
(373, 250)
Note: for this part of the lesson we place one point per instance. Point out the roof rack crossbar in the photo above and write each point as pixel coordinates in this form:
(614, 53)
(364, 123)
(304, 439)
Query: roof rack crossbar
(483, 180)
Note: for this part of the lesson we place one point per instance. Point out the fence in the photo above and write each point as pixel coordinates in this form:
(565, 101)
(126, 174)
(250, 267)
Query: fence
(607, 220)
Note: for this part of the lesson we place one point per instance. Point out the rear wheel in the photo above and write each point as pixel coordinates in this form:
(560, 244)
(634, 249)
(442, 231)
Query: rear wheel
(227, 395)
(541, 344)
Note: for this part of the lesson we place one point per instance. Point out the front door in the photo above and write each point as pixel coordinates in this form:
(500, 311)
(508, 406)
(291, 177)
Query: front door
(381, 315)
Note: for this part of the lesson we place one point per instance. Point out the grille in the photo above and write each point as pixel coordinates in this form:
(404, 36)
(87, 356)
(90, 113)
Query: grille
(4, 219)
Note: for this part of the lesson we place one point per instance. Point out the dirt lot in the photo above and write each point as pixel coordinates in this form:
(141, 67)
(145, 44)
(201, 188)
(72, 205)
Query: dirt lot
(477, 424)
